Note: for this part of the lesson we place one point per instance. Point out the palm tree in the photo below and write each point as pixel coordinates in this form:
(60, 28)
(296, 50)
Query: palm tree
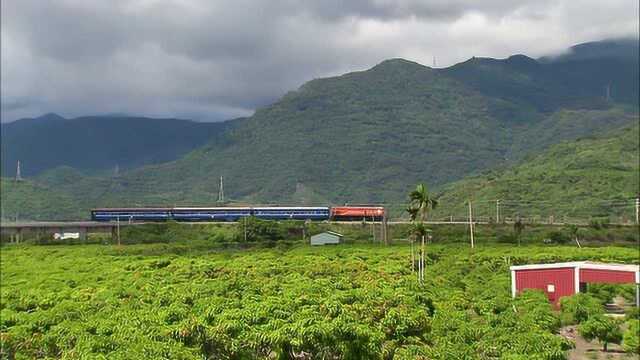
(413, 214)
(574, 231)
(518, 227)
(420, 202)
(419, 231)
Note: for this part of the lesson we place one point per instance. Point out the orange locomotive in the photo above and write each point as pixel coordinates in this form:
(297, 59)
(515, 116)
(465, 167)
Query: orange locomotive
(357, 213)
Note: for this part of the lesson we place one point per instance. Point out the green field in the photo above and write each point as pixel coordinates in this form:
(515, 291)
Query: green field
(358, 301)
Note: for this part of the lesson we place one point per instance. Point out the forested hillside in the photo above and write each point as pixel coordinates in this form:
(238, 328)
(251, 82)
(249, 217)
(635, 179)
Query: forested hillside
(369, 136)
(595, 177)
(28, 199)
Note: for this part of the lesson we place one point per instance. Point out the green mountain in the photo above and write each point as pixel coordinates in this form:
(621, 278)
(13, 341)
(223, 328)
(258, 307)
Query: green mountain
(369, 136)
(597, 176)
(32, 200)
(99, 143)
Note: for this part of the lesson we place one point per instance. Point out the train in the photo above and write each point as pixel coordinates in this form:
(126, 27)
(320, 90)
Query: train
(230, 214)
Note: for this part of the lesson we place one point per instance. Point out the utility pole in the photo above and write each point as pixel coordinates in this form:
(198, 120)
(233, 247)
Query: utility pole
(118, 228)
(638, 210)
(221, 191)
(471, 223)
(244, 221)
(608, 92)
(373, 228)
(497, 211)
(422, 262)
(304, 230)
(18, 175)
(385, 228)
(413, 256)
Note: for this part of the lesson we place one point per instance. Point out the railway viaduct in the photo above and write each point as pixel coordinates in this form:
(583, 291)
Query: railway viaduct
(17, 230)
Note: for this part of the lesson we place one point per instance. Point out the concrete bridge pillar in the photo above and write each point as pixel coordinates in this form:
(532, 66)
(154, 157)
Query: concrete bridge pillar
(82, 232)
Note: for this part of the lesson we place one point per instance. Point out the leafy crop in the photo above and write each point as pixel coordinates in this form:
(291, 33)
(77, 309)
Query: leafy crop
(170, 300)
(579, 307)
(631, 337)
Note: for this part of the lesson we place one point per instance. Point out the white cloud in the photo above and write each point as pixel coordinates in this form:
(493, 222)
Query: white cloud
(216, 60)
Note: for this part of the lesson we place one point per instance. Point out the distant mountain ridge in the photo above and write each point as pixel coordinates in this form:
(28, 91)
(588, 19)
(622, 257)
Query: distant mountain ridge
(369, 136)
(622, 48)
(99, 143)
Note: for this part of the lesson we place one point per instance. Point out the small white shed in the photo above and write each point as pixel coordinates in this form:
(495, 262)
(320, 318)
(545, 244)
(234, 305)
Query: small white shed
(328, 237)
(66, 235)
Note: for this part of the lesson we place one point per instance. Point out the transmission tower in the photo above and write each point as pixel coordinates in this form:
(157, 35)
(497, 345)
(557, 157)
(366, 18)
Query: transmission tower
(221, 191)
(18, 176)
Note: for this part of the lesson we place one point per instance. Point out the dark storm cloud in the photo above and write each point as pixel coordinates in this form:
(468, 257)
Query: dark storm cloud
(212, 60)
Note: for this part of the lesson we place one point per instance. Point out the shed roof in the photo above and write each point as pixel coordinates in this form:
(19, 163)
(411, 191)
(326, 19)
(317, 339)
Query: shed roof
(581, 265)
(329, 232)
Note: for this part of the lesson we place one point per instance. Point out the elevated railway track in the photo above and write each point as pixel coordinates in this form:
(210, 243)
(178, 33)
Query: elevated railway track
(17, 230)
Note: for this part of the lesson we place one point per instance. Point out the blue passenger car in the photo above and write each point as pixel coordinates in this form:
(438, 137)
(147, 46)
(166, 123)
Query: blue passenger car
(291, 213)
(131, 214)
(210, 213)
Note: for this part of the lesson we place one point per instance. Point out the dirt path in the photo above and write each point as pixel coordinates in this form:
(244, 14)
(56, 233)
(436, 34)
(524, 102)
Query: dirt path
(593, 350)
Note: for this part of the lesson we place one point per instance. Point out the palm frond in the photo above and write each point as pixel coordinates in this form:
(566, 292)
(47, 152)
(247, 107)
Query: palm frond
(413, 212)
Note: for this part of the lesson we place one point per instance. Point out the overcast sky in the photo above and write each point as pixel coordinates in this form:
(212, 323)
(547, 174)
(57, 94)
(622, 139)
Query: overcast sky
(214, 60)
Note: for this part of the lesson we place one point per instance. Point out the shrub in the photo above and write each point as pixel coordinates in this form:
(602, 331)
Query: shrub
(631, 338)
(578, 308)
(507, 239)
(604, 329)
(632, 313)
(518, 228)
(558, 237)
(600, 223)
(256, 230)
(534, 306)
(606, 292)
